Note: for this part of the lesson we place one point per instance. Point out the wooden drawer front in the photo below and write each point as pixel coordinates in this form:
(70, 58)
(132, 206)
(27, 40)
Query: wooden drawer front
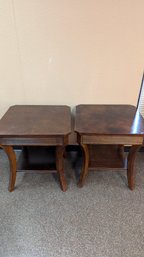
(124, 140)
(32, 141)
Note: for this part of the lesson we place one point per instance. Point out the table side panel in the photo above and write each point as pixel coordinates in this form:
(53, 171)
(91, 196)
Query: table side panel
(124, 140)
(34, 141)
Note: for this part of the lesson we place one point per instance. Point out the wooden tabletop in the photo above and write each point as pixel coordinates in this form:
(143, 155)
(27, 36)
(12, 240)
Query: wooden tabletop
(108, 120)
(35, 120)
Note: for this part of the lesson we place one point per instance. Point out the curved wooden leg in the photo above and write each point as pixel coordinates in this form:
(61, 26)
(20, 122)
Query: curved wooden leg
(12, 160)
(84, 171)
(121, 151)
(59, 166)
(130, 166)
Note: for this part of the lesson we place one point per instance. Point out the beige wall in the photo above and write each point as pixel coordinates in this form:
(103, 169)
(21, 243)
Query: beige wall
(70, 51)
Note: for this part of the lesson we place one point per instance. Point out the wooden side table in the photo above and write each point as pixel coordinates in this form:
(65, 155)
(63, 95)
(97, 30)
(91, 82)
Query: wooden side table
(102, 131)
(37, 126)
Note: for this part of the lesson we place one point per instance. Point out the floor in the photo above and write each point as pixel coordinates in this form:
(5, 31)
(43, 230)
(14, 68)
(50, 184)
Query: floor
(102, 219)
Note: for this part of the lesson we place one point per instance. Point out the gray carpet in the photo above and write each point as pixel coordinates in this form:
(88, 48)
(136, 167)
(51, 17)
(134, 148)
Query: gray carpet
(103, 219)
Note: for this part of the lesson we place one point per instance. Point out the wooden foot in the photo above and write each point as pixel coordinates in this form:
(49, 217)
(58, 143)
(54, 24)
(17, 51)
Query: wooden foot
(59, 166)
(84, 171)
(130, 166)
(12, 161)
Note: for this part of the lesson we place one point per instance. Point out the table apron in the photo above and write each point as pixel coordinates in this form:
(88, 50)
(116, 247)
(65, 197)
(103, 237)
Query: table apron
(124, 140)
(59, 140)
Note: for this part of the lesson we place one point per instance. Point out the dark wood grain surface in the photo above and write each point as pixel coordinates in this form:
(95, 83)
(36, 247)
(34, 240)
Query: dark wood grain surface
(35, 120)
(108, 120)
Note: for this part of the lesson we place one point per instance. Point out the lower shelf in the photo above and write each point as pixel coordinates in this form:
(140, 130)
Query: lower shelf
(37, 159)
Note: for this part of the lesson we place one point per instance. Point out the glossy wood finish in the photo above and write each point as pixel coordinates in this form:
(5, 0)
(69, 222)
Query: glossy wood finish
(29, 125)
(103, 127)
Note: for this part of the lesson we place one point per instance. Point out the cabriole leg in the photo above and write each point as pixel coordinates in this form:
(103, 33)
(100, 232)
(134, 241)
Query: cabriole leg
(130, 166)
(85, 165)
(59, 166)
(12, 161)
